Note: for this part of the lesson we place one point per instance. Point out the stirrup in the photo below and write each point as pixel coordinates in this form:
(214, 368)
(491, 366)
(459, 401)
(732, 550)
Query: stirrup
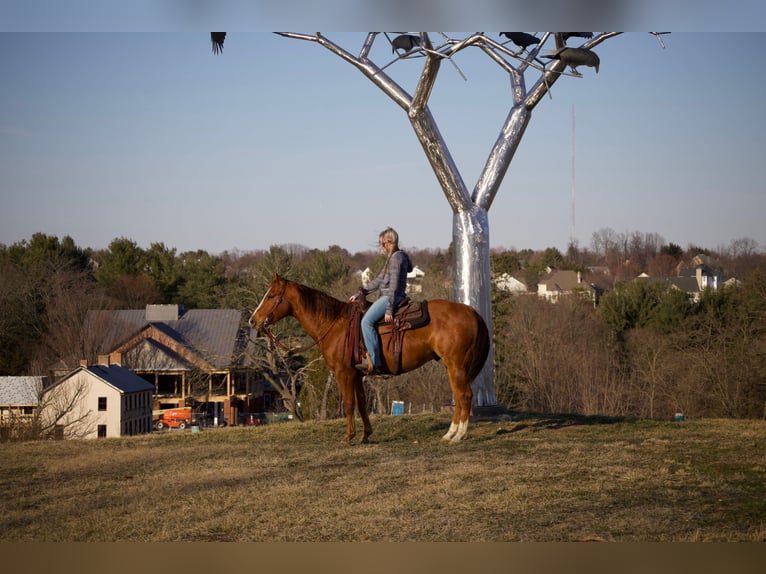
(365, 366)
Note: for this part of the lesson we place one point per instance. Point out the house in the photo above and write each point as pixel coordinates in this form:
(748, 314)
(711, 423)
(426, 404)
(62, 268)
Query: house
(19, 399)
(510, 284)
(557, 283)
(96, 402)
(415, 280)
(692, 280)
(189, 356)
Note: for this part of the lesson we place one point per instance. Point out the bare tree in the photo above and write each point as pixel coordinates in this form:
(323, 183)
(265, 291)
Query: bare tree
(285, 374)
(63, 409)
(469, 207)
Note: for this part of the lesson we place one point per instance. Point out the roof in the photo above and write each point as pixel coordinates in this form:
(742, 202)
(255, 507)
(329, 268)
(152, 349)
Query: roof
(118, 377)
(20, 390)
(564, 281)
(688, 284)
(214, 334)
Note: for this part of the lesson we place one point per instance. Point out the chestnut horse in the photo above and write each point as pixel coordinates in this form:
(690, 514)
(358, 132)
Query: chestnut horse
(456, 334)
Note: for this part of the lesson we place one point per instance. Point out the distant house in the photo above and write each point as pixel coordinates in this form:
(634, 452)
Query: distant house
(695, 280)
(19, 399)
(557, 283)
(510, 284)
(97, 402)
(415, 280)
(189, 356)
(692, 280)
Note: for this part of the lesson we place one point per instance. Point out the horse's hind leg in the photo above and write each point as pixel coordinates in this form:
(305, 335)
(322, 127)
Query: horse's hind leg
(463, 394)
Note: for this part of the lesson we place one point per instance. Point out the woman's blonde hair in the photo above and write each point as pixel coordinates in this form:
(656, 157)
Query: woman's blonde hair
(389, 234)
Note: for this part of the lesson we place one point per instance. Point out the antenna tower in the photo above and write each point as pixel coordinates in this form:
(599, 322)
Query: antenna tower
(572, 231)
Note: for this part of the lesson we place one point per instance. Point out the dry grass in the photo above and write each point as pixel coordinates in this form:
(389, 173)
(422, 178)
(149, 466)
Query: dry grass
(522, 479)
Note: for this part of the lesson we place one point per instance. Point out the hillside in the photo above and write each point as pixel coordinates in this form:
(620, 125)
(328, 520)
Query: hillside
(517, 478)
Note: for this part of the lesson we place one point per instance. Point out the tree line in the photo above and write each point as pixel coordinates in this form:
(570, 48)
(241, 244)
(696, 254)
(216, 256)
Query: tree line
(645, 350)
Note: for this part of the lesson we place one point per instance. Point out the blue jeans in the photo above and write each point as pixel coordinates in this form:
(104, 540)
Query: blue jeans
(374, 314)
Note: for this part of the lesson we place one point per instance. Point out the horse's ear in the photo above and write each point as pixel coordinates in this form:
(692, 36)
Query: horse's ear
(276, 276)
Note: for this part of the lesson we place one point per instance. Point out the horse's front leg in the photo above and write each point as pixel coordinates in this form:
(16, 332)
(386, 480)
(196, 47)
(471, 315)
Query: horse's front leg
(361, 402)
(346, 385)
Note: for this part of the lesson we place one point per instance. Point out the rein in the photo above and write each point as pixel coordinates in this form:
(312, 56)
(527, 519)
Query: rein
(279, 343)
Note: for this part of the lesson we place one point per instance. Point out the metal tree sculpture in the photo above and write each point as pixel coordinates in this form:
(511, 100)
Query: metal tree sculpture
(470, 230)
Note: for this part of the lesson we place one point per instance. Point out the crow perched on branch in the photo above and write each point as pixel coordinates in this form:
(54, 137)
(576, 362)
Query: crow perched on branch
(217, 39)
(405, 42)
(521, 39)
(574, 57)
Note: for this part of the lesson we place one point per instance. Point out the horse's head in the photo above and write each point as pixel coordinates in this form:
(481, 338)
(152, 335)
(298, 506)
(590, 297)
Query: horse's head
(272, 307)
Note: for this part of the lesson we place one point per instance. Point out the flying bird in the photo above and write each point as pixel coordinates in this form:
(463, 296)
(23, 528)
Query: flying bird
(405, 42)
(217, 39)
(574, 57)
(521, 39)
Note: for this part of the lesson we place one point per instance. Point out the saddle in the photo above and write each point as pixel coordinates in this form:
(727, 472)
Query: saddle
(408, 315)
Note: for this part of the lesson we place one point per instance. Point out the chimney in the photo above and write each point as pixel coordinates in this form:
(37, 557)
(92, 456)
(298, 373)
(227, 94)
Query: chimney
(162, 313)
(115, 358)
(83, 362)
(103, 360)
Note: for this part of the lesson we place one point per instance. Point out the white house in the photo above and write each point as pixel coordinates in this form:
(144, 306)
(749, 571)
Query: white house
(509, 283)
(414, 278)
(557, 283)
(98, 401)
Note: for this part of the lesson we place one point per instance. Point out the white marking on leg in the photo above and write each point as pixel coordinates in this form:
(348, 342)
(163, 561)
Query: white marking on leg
(462, 430)
(451, 432)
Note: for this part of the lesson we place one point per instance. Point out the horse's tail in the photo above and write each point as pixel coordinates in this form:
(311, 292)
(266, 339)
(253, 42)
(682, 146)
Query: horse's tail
(479, 351)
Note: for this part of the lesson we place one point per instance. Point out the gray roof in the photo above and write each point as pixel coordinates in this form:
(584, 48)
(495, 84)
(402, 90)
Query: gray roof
(119, 377)
(214, 334)
(20, 390)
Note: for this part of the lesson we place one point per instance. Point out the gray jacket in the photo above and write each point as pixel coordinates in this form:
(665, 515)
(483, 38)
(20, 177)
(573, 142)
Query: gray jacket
(392, 280)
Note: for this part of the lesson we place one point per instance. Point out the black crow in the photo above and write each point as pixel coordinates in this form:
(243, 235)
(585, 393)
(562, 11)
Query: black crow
(405, 42)
(521, 39)
(574, 57)
(567, 35)
(217, 39)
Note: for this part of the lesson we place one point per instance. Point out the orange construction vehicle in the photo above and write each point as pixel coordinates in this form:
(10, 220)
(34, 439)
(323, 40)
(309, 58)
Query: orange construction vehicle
(174, 418)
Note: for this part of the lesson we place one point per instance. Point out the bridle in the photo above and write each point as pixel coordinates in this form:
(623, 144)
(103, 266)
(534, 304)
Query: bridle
(270, 316)
(273, 337)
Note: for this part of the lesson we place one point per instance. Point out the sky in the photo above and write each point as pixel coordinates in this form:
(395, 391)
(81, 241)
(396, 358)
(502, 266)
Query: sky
(277, 141)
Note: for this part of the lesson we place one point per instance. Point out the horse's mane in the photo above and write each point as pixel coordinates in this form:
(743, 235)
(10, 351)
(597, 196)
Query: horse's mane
(317, 302)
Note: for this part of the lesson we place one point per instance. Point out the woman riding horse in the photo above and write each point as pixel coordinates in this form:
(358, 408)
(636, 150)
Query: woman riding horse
(456, 334)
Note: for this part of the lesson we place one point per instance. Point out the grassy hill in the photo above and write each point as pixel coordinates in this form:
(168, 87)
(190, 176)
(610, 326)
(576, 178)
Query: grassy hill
(517, 478)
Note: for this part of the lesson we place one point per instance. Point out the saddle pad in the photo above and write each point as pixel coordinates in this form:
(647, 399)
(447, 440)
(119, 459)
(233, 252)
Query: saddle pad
(411, 315)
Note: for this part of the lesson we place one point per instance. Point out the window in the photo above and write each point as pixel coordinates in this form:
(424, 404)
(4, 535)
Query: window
(102, 428)
(101, 403)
